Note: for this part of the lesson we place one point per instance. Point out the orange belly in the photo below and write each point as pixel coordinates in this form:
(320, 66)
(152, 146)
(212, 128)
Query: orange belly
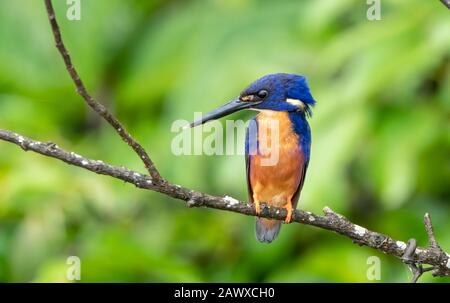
(276, 184)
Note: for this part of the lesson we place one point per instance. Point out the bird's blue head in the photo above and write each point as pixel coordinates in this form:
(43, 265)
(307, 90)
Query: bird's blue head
(277, 92)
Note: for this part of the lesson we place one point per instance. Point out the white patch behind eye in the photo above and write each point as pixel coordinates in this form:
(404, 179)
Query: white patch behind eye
(295, 102)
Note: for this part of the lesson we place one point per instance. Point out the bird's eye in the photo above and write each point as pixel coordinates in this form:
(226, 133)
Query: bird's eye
(262, 93)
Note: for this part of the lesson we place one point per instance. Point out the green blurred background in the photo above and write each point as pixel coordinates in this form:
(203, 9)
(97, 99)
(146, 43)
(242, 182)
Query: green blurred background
(380, 152)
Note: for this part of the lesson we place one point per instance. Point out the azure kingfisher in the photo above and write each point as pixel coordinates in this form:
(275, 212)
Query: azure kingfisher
(283, 100)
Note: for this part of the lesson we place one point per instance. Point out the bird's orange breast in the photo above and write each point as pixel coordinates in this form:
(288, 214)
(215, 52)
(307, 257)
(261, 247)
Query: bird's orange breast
(277, 182)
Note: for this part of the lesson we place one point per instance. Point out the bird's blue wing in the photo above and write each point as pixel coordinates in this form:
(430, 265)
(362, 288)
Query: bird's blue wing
(301, 128)
(296, 196)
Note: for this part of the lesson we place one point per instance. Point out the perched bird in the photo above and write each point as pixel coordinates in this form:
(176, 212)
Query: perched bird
(284, 102)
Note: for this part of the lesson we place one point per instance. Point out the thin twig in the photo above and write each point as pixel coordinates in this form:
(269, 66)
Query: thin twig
(429, 228)
(96, 106)
(329, 221)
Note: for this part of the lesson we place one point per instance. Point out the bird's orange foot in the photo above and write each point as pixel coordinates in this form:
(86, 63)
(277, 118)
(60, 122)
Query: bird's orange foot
(289, 210)
(257, 204)
(257, 207)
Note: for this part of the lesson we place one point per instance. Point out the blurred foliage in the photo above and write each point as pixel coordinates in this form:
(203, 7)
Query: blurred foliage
(380, 151)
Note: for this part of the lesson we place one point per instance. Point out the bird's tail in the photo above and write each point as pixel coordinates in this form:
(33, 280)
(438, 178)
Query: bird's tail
(267, 229)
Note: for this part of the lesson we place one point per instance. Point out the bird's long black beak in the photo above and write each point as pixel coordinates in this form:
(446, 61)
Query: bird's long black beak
(226, 109)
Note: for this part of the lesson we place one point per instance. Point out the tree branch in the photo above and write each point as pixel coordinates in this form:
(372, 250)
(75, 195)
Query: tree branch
(330, 221)
(446, 3)
(416, 266)
(433, 255)
(97, 107)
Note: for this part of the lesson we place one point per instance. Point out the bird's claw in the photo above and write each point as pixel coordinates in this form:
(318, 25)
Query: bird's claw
(288, 219)
(257, 208)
